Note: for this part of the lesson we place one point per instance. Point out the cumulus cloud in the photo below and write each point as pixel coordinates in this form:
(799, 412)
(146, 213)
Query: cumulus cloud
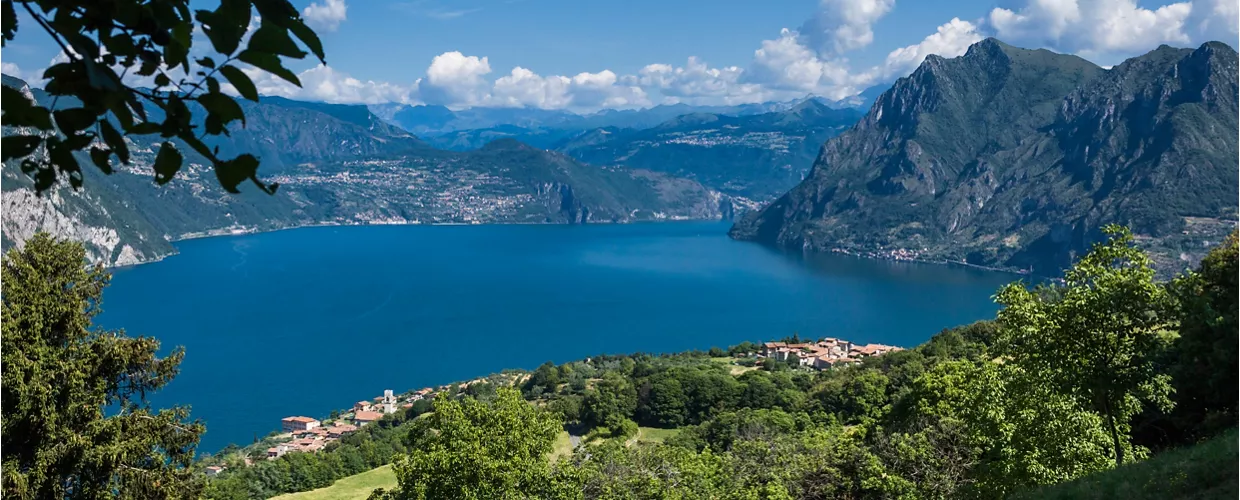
(840, 26)
(1099, 29)
(455, 79)
(950, 40)
(326, 16)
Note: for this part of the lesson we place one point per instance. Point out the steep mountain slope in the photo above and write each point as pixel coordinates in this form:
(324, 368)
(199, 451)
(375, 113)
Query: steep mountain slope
(1013, 158)
(336, 165)
(755, 156)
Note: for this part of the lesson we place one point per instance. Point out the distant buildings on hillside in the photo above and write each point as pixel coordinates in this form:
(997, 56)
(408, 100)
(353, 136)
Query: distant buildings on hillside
(825, 353)
(308, 435)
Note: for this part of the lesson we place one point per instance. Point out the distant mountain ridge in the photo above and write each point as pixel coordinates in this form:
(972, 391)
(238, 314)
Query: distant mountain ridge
(434, 120)
(1013, 158)
(336, 164)
(754, 156)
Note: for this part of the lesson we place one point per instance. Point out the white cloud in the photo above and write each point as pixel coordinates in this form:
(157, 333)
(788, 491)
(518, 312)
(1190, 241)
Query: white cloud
(326, 16)
(454, 79)
(13, 70)
(787, 64)
(844, 25)
(1215, 20)
(952, 39)
(1097, 29)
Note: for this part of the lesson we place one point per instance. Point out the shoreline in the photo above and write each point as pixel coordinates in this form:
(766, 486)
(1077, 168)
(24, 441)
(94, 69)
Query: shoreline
(219, 233)
(223, 233)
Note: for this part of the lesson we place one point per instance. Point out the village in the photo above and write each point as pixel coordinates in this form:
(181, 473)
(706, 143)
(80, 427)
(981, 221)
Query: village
(826, 353)
(300, 434)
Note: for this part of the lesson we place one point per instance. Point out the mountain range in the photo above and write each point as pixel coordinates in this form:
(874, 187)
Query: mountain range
(1013, 158)
(336, 164)
(433, 120)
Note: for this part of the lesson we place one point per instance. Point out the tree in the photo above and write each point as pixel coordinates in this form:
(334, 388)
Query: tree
(473, 450)
(62, 378)
(105, 41)
(612, 400)
(1204, 369)
(1096, 337)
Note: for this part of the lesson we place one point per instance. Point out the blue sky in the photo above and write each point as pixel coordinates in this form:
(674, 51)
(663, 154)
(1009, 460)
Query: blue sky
(586, 55)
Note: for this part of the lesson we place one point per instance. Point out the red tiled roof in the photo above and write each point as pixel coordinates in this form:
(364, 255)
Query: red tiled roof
(304, 420)
(367, 416)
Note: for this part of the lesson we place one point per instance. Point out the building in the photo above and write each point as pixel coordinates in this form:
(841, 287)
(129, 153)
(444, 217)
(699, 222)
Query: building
(365, 417)
(362, 406)
(294, 424)
(277, 451)
(389, 402)
(339, 430)
(214, 470)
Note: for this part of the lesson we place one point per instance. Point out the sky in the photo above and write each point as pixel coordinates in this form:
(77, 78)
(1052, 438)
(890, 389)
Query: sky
(586, 55)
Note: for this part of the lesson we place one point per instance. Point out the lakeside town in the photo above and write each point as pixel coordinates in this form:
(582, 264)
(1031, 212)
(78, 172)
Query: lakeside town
(302, 434)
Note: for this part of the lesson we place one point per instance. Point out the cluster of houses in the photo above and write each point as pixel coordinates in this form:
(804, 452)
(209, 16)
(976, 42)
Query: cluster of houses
(308, 435)
(824, 353)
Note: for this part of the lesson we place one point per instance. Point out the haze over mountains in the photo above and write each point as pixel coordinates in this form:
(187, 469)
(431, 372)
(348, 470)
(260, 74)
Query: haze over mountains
(1014, 158)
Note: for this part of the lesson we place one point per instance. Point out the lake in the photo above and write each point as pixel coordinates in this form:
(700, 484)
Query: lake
(305, 321)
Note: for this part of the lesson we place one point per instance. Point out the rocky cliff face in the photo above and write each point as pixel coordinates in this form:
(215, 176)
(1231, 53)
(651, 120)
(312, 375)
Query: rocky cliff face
(1014, 158)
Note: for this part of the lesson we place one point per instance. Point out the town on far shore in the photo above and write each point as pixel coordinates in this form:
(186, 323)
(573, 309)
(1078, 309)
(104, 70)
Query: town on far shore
(300, 434)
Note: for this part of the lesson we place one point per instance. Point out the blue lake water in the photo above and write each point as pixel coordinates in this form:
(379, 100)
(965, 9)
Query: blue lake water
(305, 321)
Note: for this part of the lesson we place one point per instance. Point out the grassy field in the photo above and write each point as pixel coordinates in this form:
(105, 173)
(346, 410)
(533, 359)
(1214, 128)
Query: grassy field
(562, 447)
(732, 366)
(353, 487)
(1203, 472)
(653, 435)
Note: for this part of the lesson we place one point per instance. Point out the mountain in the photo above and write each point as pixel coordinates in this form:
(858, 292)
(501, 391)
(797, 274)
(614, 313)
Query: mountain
(1013, 158)
(754, 156)
(466, 140)
(336, 164)
(433, 120)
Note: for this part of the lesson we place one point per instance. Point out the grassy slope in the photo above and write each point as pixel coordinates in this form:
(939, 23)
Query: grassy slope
(1202, 472)
(357, 486)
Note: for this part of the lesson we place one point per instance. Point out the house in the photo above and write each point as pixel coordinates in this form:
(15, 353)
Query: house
(277, 451)
(872, 350)
(365, 417)
(362, 406)
(315, 433)
(214, 470)
(339, 430)
(769, 348)
(293, 424)
(824, 362)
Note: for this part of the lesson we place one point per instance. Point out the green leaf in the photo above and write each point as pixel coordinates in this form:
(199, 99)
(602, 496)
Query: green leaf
(74, 119)
(222, 106)
(241, 82)
(206, 62)
(144, 128)
(167, 163)
(308, 37)
(115, 141)
(275, 40)
(232, 172)
(270, 63)
(19, 146)
(22, 112)
(100, 157)
(8, 21)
